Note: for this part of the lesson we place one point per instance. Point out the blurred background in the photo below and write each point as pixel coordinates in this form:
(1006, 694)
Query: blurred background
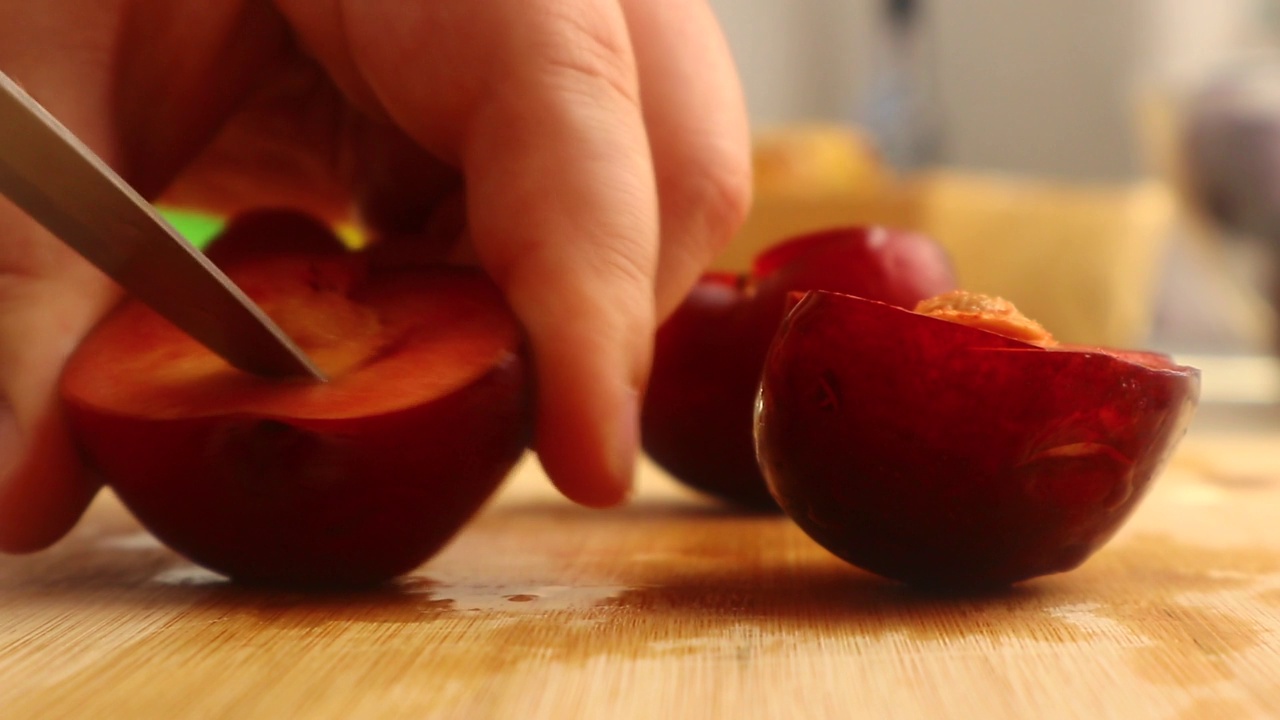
(1108, 165)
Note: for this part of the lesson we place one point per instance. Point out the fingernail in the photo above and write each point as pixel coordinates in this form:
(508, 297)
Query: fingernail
(626, 445)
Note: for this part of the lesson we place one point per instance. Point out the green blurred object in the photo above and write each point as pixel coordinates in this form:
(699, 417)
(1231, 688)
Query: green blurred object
(197, 228)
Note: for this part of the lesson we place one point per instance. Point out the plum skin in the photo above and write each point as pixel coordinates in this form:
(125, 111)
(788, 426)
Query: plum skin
(946, 456)
(697, 415)
(312, 503)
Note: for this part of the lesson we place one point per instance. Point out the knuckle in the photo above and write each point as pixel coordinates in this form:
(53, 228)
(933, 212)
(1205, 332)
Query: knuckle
(590, 53)
(717, 199)
(623, 263)
(728, 202)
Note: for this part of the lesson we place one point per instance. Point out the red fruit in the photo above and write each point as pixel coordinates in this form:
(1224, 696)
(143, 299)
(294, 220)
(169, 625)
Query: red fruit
(946, 455)
(349, 482)
(256, 234)
(708, 356)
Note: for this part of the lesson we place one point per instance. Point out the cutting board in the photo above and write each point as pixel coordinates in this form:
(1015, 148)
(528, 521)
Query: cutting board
(670, 608)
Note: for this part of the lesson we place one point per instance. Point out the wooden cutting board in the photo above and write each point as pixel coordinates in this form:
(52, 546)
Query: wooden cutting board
(670, 608)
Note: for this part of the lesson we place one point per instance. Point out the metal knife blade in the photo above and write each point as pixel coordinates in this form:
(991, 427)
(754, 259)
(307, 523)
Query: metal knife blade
(57, 180)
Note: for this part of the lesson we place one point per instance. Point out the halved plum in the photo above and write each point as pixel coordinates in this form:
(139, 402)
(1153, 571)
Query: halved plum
(929, 449)
(349, 482)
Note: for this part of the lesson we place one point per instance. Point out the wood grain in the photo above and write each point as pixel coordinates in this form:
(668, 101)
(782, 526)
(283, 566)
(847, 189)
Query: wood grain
(669, 608)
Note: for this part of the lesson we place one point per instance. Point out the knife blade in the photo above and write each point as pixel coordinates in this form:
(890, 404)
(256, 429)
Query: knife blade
(57, 180)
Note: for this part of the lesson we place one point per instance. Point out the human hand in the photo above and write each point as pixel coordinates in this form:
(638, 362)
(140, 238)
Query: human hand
(592, 154)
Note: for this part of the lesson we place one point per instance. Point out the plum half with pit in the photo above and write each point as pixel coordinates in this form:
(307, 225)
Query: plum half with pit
(288, 482)
(696, 420)
(960, 446)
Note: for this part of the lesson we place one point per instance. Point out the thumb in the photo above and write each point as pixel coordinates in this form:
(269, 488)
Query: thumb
(44, 487)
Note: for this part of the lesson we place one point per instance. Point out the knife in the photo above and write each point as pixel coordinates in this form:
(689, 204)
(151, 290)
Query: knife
(57, 180)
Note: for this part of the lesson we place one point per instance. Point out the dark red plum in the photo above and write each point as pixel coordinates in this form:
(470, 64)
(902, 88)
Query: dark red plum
(949, 456)
(709, 354)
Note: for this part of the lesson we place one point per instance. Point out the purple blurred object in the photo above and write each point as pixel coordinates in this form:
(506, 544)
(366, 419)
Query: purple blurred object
(1232, 150)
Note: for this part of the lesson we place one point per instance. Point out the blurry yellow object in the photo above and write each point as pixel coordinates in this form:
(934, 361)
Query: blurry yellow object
(1081, 259)
(351, 235)
(801, 159)
(809, 177)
